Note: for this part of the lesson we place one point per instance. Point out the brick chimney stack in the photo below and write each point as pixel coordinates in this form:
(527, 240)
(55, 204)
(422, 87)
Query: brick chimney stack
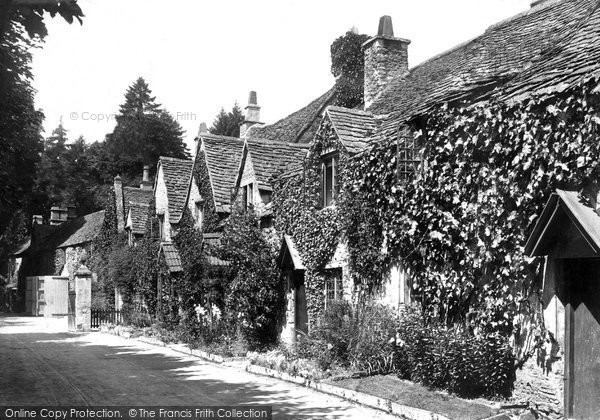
(146, 184)
(385, 57)
(251, 115)
(119, 203)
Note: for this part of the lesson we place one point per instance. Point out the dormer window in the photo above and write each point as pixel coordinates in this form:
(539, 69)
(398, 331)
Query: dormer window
(329, 179)
(248, 196)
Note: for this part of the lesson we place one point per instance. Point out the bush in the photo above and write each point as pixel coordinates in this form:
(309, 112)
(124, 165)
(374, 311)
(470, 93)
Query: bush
(359, 337)
(454, 359)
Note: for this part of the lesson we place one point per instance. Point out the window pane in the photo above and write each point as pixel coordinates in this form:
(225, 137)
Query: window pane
(328, 185)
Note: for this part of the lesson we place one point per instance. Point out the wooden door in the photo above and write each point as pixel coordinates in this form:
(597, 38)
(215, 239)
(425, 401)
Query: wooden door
(301, 314)
(582, 344)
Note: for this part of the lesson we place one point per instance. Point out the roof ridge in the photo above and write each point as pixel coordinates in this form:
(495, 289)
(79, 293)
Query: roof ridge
(287, 143)
(351, 110)
(172, 159)
(218, 136)
(532, 10)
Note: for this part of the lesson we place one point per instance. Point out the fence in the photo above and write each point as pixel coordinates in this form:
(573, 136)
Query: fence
(106, 316)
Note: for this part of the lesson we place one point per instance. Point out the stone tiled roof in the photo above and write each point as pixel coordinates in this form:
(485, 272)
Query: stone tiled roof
(476, 67)
(575, 57)
(139, 217)
(136, 195)
(172, 257)
(78, 231)
(177, 177)
(269, 158)
(223, 156)
(299, 127)
(352, 126)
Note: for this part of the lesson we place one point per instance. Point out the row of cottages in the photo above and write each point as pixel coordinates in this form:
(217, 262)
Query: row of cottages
(41, 267)
(544, 50)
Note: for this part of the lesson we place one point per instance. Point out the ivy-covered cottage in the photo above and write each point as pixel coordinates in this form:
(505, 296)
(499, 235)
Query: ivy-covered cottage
(215, 169)
(132, 206)
(461, 154)
(174, 192)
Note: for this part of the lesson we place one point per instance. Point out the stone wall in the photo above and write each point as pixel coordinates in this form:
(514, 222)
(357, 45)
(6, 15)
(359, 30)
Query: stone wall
(384, 58)
(541, 391)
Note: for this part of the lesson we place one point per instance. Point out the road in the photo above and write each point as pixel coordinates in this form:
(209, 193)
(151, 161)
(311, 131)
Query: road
(41, 365)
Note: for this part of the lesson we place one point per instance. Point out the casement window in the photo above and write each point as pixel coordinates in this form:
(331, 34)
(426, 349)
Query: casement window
(248, 196)
(161, 226)
(129, 237)
(333, 287)
(329, 179)
(199, 213)
(265, 195)
(408, 157)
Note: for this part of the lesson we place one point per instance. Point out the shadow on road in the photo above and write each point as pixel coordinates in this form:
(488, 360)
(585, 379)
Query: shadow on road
(96, 369)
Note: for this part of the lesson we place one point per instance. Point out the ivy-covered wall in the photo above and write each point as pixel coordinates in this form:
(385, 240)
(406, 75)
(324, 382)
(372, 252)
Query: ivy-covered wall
(212, 219)
(461, 225)
(297, 210)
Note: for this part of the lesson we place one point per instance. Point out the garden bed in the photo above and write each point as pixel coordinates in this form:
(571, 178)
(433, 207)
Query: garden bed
(415, 395)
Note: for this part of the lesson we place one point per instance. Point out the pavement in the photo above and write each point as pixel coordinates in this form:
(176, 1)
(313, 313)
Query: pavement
(42, 365)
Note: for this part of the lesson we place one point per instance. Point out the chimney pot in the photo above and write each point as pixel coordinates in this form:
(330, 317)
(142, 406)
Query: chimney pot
(252, 98)
(385, 58)
(203, 129)
(252, 114)
(386, 28)
(146, 184)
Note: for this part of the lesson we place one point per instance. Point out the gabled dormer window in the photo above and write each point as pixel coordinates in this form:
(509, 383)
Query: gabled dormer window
(329, 179)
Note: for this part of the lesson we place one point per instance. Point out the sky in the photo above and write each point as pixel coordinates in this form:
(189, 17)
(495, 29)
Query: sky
(198, 56)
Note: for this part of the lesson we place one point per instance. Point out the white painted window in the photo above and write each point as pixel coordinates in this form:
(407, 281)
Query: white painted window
(329, 179)
(199, 213)
(334, 289)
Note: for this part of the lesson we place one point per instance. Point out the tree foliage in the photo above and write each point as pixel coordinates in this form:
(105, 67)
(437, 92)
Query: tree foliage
(144, 132)
(21, 29)
(228, 123)
(254, 297)
(348, 67)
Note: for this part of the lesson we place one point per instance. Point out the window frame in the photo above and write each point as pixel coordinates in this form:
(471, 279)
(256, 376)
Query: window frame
(335, 279)
(330, 160)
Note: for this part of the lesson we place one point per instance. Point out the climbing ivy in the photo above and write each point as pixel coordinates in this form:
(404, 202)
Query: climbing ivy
(202, 178)
(461, 226)
(316, 231)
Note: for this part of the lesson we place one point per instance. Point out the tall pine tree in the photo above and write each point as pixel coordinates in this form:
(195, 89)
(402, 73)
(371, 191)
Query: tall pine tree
(144, 131)
(228, 123)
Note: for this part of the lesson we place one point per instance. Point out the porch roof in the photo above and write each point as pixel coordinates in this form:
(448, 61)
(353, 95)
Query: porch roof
(289, 257)
(564, 205)
(172, 257)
